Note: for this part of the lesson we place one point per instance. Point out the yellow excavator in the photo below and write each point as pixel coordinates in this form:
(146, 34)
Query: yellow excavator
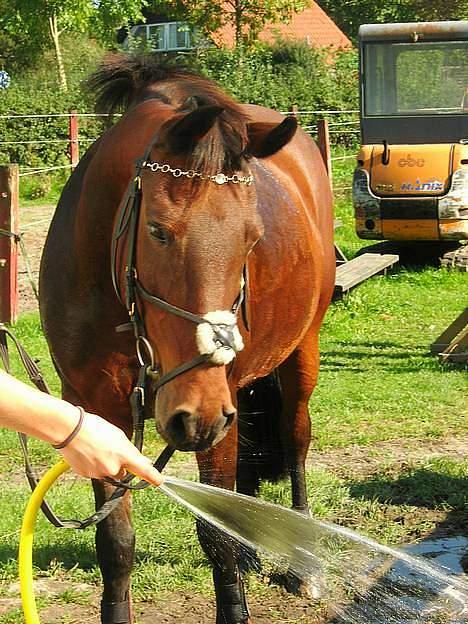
(411, 181)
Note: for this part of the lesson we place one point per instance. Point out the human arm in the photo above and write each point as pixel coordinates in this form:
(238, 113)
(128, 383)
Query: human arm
(98, 450)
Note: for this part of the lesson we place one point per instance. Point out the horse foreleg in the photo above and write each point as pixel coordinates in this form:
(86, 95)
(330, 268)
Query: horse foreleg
(115, 546)
(298, 376)
(218, 468)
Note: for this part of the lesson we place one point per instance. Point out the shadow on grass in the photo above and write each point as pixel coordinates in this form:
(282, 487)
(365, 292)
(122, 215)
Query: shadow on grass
(385, 355)
(70, 555)
(419, 488)
(427, 490)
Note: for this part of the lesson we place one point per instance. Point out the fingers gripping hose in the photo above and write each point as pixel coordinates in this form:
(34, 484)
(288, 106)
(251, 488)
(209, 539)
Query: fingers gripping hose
(30, 515)
(26, 541)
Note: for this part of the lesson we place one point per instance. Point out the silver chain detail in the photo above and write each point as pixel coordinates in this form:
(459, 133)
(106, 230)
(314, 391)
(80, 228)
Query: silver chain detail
(218, 178)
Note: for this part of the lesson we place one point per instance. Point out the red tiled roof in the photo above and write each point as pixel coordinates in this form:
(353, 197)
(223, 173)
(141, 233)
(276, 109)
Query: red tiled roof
(312, 25)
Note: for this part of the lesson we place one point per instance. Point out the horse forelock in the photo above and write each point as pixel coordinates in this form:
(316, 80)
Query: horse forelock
(124, 80)
(222, 148)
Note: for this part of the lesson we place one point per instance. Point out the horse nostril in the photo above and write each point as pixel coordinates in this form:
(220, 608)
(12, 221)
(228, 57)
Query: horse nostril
(229, 416)
(182, 425)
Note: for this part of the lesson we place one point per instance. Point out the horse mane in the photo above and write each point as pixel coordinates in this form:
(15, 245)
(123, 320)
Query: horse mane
(124, 80)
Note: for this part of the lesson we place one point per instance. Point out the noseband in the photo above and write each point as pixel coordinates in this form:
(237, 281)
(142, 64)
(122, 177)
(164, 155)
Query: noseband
(218, 337)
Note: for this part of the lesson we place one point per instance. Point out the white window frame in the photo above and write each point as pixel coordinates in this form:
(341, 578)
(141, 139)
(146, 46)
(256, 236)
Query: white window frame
(136, 30)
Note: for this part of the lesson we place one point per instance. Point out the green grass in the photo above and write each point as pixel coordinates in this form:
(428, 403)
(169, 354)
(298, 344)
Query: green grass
(378, 380)
(378, 384)
(42, 188)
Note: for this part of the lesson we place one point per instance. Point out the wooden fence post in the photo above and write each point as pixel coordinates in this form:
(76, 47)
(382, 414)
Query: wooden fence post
(323, 142)
(9, 228)
(73, 136)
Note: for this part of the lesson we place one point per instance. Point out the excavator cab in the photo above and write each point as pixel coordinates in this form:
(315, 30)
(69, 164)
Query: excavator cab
(411, 180)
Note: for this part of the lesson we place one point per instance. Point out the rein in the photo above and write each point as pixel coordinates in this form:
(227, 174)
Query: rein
(38, 380)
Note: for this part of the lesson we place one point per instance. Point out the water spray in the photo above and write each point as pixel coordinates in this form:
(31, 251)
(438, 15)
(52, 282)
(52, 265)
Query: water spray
(307, 546)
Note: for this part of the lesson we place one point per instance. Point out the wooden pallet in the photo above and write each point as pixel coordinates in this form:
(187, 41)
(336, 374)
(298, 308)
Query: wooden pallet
(452, 344)
(355, 271)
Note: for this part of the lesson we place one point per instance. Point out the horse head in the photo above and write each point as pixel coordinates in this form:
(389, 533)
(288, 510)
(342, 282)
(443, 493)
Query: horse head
(198, 221)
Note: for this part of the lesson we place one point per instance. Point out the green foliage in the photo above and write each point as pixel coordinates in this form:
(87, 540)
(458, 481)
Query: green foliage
(246, 18)
(16, 50)
(289, 74)
(99, 18)
(285, 74)
(277, 76)
(38, 187)
(37, 92)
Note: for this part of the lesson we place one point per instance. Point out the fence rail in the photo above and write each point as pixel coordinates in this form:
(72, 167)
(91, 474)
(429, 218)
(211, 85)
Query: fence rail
(335, 128)
(51, 115)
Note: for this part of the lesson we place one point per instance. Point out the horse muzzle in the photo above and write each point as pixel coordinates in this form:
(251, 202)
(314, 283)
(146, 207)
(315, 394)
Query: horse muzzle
(195, 411)
(186, 432)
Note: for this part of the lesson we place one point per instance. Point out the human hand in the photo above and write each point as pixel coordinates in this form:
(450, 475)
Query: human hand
(102, 450)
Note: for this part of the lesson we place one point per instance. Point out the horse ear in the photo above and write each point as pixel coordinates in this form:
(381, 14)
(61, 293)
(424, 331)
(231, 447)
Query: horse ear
(190, 128)
(265, 139)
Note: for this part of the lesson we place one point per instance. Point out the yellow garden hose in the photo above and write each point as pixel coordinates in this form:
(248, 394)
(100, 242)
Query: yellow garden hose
(26, 541)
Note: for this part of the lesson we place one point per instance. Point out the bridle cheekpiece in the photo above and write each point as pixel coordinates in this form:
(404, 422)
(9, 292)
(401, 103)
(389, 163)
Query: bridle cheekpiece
(217, 336)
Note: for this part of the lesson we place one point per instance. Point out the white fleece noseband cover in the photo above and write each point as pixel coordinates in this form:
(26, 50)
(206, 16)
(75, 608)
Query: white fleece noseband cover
(208, 342)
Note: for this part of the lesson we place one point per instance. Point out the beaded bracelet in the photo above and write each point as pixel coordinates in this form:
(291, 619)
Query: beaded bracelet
(74, 433)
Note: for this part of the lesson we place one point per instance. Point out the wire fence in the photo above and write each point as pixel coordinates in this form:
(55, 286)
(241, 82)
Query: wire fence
(343, 128)
(26, 150)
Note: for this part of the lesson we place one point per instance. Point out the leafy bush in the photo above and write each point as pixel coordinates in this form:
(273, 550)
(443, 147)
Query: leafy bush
(285, 74)
(277, 76)
(36, 187)
(289, 74)
(36, 92)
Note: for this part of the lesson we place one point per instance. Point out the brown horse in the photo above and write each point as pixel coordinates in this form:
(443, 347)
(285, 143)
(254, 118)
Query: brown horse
(230, 254)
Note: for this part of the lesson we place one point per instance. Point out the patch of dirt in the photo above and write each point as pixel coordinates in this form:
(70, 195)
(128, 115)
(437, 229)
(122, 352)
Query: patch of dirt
(33, 225)
(360, 462)
(173, 608)
(278, 607)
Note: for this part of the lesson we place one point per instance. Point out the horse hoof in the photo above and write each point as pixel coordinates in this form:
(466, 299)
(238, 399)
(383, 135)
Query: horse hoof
(231, 605)
(310, 587)
(222, 620)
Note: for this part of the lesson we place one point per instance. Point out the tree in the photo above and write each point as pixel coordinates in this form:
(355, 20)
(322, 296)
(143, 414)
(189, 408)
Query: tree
(247, 17)
(350, 15)
(44, 21)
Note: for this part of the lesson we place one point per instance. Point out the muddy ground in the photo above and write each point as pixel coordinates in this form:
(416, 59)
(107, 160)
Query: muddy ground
(34, 223)
(176, 608)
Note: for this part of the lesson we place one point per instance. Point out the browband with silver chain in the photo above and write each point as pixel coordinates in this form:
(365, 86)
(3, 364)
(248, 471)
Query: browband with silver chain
(218, 178)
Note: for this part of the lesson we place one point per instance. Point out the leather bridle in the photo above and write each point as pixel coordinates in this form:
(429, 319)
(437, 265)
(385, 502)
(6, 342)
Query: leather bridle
(126, 225)
(125, 230)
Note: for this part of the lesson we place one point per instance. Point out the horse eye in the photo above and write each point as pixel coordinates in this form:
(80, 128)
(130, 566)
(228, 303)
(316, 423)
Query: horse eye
(159, 233)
